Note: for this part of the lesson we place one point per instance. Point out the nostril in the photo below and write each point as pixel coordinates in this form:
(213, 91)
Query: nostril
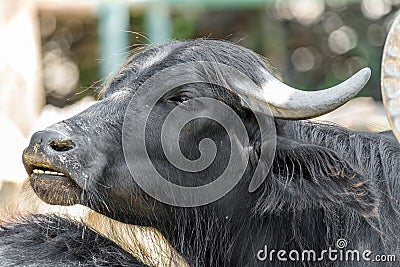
(61, 145)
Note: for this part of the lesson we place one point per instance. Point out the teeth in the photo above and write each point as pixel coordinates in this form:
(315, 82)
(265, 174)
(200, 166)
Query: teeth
(37, 171)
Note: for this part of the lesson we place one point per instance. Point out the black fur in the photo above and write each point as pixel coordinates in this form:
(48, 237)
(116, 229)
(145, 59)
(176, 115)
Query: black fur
(41, 240)
(326, 182)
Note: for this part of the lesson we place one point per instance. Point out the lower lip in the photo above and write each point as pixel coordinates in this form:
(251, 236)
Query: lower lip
(49, 176)
(55, 189)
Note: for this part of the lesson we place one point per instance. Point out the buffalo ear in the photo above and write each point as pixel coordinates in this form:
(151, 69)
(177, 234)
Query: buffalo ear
(308, 175)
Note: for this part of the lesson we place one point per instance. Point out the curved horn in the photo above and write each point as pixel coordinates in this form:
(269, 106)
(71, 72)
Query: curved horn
(286, 102)
(390, 77)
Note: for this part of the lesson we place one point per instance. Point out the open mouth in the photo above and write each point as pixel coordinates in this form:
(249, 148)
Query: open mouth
(44, 171)
(53, 185)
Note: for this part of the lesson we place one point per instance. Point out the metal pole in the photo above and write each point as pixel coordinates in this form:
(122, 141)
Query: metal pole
(113, 30)
(158, 22)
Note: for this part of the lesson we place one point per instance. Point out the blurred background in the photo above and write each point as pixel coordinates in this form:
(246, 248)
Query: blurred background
(55, 55)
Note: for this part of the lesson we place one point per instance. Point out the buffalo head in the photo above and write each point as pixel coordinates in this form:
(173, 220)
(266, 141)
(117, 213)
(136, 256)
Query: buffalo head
(82, 160)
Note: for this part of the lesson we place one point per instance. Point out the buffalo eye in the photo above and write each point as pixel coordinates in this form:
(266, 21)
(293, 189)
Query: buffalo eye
(179, 98)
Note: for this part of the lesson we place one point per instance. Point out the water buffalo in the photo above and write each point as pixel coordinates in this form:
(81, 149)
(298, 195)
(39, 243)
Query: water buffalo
(327, 197)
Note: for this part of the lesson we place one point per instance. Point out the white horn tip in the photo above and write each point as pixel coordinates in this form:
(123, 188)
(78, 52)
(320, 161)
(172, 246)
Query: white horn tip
(364, 74)
(357, 81)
